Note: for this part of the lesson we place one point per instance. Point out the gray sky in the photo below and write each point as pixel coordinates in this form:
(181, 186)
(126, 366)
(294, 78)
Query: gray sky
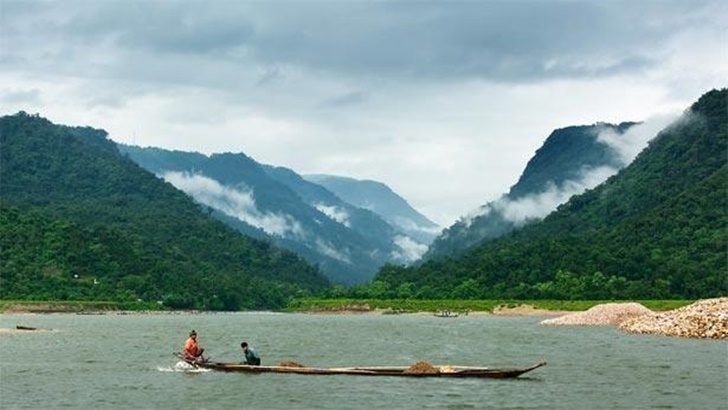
(444, 101)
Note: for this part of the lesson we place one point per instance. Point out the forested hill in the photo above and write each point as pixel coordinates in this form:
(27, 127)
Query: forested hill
(566, 155)
(347, 243)
(380, 198)
(571, 160)
(655, 230)
(80, 221)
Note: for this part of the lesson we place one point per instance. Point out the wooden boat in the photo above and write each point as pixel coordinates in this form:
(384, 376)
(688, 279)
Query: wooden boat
(446, 313)
(404, 371)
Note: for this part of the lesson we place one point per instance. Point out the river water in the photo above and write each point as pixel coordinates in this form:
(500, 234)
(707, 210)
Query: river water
(125, 362)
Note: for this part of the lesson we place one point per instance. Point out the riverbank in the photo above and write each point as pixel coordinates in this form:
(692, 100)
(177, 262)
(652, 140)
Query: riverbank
(701, 319)
(462, 307)
(453, 307)
(26, 306)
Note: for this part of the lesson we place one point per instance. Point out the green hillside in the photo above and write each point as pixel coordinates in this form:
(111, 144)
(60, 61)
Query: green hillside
(655, 230)
(80, 221)
(284, 209)
(558, 168)
(565, 154)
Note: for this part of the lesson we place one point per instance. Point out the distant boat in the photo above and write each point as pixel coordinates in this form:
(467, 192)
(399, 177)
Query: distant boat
(446, 313)
(417, 370)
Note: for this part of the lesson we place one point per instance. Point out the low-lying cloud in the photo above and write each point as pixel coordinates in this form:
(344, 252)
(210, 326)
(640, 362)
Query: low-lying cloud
(627, 146)
(334, 213)
(538, 206)
(237, 203)
(635, 139)
(325, 248)
(407, 250)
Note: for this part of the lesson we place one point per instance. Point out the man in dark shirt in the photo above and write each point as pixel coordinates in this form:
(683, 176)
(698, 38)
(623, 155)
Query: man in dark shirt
(251, 357)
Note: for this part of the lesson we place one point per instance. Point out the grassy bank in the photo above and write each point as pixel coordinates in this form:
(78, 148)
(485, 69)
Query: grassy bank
(35, 306)
(456, 305)
(334, 305)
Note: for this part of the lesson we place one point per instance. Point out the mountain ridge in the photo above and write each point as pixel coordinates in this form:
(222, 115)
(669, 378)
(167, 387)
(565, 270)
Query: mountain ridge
(95, 214)
(570, 160)
(381, 199)
(655, 230)
(348, 243)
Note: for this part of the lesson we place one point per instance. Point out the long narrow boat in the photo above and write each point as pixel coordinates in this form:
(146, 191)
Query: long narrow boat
(403, 371)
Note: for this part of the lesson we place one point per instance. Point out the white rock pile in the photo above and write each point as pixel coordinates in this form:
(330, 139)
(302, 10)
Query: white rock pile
(607, 314)
(705, 319)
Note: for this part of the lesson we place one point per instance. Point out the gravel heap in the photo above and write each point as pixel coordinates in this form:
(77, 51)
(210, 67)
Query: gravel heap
(422, 368)
(705, 319)
(608, 314)
(290, 364)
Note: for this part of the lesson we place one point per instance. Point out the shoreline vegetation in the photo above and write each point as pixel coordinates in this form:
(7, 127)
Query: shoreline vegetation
(703, 319)
(462, 306)
(78, 306)
(352, 306)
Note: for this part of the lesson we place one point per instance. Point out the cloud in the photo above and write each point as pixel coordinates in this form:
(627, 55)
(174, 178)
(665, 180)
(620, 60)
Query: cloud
(237, 203)
(445, 102)
(334, 213)
(407, 250)
(538, 206)
(270, 75)
(500, 41)
(635, 139)
(351, 98)
(409, 225)
(20, 97)
(325, 248)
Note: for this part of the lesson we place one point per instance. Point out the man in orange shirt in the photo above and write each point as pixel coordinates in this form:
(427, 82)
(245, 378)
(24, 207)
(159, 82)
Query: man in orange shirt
(193, 351)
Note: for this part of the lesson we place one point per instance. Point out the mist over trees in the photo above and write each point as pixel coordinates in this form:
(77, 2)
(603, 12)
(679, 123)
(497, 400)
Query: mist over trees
(571, 160)
(655, 230)
(78, 221)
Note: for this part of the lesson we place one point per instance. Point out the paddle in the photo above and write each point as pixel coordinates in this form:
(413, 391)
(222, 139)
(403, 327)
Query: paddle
(193, 363)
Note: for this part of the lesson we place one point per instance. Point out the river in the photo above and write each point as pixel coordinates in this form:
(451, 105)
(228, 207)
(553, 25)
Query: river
(120, 361)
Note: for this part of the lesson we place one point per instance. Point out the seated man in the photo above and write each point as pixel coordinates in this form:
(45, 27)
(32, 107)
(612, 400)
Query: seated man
(193, 351)
(251, 357)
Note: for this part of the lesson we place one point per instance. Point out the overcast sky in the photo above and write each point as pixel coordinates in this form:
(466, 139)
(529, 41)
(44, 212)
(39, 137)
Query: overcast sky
(444, 101)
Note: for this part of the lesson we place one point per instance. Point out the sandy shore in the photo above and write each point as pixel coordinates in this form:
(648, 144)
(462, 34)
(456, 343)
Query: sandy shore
(524, 310)
(521, 310)
(527, 310)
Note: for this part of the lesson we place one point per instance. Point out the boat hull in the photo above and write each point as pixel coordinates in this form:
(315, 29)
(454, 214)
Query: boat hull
(441, 371)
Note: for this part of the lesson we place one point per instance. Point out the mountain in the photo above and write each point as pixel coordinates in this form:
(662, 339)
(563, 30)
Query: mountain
(656, 230)
(80, 221)
(571, 160)
(380, 199)
(348, 243)
(365, 222)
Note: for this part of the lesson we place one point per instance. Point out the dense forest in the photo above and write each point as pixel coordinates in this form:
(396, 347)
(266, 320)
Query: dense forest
(655, 230)
(560, 166)
(80, 221)
(283, 208)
